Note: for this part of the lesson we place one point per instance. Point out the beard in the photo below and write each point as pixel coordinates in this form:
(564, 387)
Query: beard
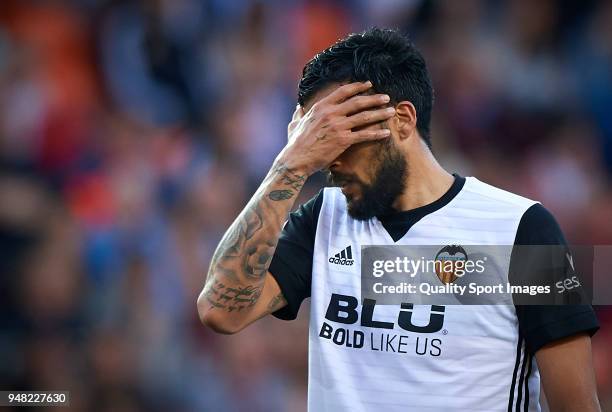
(387, 184)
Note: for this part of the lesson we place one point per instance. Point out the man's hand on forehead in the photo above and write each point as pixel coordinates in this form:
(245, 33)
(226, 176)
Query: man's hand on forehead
(320, 134)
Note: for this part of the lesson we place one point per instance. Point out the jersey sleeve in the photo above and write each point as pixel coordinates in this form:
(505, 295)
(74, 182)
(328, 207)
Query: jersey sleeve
(291, 264)
(543, 324)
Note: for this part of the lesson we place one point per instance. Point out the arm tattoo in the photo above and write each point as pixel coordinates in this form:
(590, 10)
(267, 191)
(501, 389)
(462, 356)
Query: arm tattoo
(238, 267)
(232, 298)
(276, 303)
(293, 180)
(277, 195)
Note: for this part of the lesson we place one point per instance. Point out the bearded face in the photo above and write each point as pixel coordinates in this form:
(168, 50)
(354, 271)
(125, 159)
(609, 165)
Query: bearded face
(387, 177)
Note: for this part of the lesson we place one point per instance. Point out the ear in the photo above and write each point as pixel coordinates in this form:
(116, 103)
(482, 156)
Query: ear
(406, 119)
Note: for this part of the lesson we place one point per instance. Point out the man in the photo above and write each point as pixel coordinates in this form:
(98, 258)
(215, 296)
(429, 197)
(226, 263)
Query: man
(363, 116)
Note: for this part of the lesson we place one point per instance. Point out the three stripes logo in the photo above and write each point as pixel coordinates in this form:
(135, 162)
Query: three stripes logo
(344, 258)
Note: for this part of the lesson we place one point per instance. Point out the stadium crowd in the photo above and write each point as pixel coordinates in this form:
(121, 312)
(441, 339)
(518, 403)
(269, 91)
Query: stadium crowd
(133, 132)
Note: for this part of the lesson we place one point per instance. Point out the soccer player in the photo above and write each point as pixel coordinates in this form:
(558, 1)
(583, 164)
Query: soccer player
(363, 116)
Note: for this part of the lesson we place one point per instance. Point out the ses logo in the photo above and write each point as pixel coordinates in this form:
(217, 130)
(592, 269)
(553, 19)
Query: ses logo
(343, 258)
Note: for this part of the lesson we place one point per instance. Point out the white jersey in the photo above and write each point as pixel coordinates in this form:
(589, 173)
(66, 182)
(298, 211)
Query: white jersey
(442, 370)
(442, 358)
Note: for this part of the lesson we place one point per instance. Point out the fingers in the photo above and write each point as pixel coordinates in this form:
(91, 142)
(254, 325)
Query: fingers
(368, 135)
(368, 117)
(348, 90)
(359, 103)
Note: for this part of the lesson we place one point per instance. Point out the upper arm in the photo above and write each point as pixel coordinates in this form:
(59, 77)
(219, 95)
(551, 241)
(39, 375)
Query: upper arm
(566, 368)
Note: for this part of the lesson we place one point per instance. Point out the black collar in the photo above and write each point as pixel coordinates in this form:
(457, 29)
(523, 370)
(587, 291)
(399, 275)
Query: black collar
(398, 223)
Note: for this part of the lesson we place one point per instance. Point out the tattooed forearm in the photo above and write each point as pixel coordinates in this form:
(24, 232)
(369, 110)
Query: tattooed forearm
(253, 220)
(291, 178)
(258, 259)
(294, 180)
(232, 298)
(277, 195)
(243, 256)
(276, 303)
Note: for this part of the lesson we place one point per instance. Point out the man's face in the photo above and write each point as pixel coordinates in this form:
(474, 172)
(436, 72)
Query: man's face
(371, 175)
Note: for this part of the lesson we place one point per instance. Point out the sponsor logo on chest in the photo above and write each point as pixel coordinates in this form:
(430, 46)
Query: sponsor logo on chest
(343, 258)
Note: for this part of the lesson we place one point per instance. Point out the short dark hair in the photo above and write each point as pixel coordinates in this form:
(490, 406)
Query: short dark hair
(387, 58)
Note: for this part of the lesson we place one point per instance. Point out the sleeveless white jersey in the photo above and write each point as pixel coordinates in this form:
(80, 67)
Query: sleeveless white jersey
(475, 362)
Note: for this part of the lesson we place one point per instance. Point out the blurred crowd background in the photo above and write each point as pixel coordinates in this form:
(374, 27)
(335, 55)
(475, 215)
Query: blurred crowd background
(133, 132)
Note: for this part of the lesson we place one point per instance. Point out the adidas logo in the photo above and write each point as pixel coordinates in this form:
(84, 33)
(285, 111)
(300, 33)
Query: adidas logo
(344, 258)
